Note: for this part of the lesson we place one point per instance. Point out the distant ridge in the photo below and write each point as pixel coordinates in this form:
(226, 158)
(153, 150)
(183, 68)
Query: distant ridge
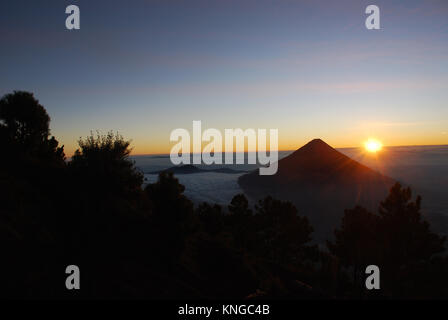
(191, 169)
(321, 182)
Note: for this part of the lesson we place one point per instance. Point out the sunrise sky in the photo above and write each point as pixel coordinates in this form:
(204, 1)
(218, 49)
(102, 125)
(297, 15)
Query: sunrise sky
(309, 68)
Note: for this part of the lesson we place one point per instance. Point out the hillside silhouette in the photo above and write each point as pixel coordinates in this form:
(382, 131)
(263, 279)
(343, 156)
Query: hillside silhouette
(322, 182)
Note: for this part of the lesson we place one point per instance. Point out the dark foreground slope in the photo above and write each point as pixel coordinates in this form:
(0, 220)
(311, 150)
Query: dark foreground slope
(321, 182)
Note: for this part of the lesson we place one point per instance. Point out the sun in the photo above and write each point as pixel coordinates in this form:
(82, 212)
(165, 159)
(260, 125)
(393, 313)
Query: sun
(373, 145)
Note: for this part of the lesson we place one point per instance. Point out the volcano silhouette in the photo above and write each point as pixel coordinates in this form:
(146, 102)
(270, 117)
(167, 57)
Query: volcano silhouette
(321, 182)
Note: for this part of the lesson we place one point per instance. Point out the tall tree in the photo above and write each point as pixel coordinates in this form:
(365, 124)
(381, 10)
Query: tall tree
(24, 129)
(406, 239)
(407, 235)
(355, 242)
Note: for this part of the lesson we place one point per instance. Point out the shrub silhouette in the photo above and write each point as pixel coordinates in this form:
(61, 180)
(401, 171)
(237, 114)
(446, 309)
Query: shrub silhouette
(105, 159)
(239, 206)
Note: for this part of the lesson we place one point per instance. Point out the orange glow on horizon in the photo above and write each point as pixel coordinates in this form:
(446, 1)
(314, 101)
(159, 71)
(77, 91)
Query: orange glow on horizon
(157, 147)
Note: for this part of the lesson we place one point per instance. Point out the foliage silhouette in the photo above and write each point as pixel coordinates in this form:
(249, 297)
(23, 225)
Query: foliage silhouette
(355, 241)
(407, 235)
(105, 159)
(32, 176)
(284, 233)
(407, 240)
(172, 214)
(24, 129)
(242, 223)
(397, 239)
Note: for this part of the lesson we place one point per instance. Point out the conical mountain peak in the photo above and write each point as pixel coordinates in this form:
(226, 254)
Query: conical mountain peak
(316, 145)
(315, 155)
(322, 182)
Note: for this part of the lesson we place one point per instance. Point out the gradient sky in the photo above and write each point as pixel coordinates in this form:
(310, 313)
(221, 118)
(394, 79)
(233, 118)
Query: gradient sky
(309, 68)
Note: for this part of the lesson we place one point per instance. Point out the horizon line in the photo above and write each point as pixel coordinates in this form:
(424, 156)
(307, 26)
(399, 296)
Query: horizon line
(358, 147)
